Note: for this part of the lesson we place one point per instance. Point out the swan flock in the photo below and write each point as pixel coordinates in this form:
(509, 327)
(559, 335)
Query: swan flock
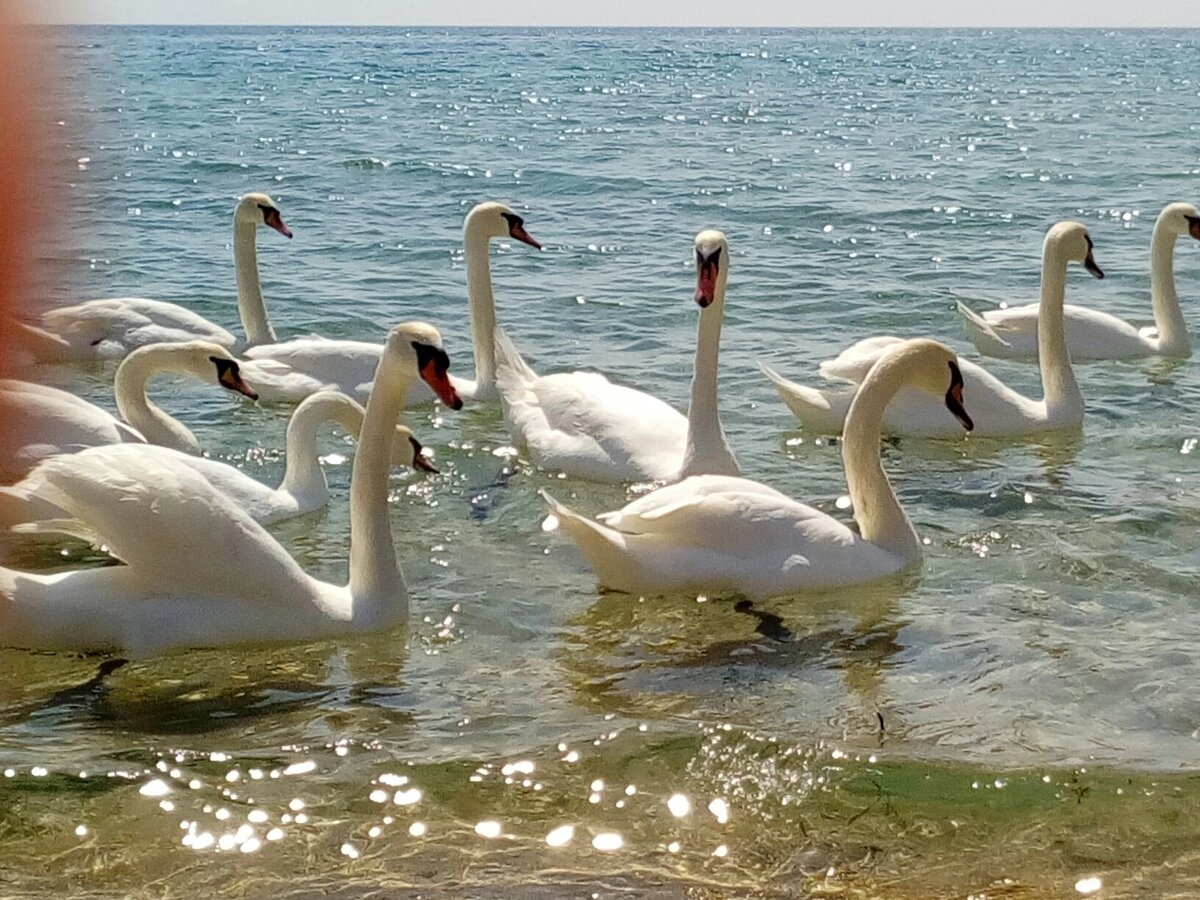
(193, 564)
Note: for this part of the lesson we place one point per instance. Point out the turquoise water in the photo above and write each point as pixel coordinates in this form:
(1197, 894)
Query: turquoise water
(1033, 686)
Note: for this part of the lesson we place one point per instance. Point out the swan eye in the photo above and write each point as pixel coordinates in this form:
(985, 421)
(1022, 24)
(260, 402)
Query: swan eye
(427, 355)
(229, 376)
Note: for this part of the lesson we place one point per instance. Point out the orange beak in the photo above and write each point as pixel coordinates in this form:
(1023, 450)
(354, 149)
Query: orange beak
(439, 380)
(519, 232)
(275, 220)
(706, 283)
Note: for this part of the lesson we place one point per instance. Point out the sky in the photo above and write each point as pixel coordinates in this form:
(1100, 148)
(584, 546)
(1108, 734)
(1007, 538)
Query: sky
(881, 13)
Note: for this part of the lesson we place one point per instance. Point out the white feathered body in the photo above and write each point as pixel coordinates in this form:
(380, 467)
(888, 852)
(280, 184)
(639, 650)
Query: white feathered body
(722, 533)
(227, 580)
(1011, 333)
(111, 328)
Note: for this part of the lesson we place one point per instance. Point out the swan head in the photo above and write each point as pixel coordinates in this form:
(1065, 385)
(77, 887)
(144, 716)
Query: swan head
(1181, 219)
(419, 344)
(495, 220)
(1071, 241)
(712, 260)
(259, 209)
(935, 370)
(203, 360)
(414, 451)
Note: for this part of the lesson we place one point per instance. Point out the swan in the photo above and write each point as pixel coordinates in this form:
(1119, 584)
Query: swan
(199, 571)
(42, 421)
(290, 371)
(1013, 333)
(718, 533)
(112, 327)
(582, 424)
(998, 410)
(303, 489)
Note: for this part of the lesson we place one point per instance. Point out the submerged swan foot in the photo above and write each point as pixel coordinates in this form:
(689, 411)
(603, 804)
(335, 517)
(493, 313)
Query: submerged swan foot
(769, 625)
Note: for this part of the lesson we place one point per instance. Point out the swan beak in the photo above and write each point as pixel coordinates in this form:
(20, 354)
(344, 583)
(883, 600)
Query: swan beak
(954, 398)
(230, 377)
(1194, 226)
(517, 231)
(1089, 263)
(420, 461)
(436, 377)
(274, 219)
(706, 281)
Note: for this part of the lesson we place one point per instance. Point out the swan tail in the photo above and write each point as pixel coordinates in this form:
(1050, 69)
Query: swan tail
(599, 544)
(41, 345)
(59, 528)
(981, 332)
(23, 511)
(816, 410)
(510, 365)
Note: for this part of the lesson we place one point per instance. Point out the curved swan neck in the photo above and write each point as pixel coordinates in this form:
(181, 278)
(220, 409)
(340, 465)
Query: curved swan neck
(376, 583)
(303, 473)
(707, 451)
(881, 520)
(482, 304)
(129, 389)
(252, 309)
(1168, 317)
(1061, 390)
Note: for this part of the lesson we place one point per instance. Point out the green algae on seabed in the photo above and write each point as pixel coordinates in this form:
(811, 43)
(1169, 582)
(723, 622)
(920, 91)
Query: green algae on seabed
(800, 822)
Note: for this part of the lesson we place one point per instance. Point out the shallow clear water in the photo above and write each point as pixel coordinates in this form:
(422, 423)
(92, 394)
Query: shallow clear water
(1023, 709)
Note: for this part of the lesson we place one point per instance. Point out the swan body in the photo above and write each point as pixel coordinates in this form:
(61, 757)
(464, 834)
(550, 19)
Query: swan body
(111, 328)
(42, 421)
(290, 371)
(1012, 333)
(582, 424)
(997, 409)
(199, 571)
(303, 489)
(722, 533)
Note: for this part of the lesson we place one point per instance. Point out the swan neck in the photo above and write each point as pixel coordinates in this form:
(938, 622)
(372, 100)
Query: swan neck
(482, 305)
(377, 587)
(303, 473)
(1060, 388)
(129, 390)
(881, 520)
(707, 451)
(1168, 317)
(252, 309)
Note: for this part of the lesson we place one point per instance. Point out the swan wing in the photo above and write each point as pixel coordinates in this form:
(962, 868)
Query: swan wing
(583, 424)
(132, 322)
(853, 363)
(294, 369)
(735, 516)
(169, 524)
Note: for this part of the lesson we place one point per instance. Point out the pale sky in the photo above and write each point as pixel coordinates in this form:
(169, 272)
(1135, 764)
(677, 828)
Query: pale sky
(881, 13)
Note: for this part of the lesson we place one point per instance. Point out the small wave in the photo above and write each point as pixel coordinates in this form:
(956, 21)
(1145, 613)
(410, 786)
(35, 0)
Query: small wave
(367, 163)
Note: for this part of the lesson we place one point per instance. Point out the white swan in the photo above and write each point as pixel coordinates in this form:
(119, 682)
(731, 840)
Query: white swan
(582, 424)
(112, 327)
(292, 370)
(1012, 333)
(199, 572)
(998, 410)
(716, 533)
(41, 421)
(302, 490)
